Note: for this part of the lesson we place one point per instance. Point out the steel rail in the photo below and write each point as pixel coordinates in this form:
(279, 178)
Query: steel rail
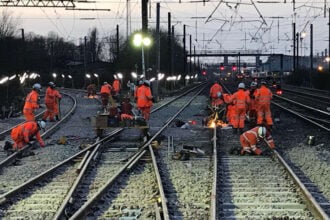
(312, 203)
(60, 211)
(213, 211)
(302, 105)
(4, 197)
(312, 99)
(65, 202)
(79, 214)
(5, 132)
(308, 94)
(166, 215)
(46, 134)
(302, 117)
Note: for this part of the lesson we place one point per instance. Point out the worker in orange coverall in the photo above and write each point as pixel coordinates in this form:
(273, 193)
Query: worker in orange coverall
(57, 104)
(215, 89)
(252, 109)
(251, 138)
(263, 98)
(22, 134)
(105, 94)
(116, 87)
(50, 100)
(144, 99)
(31, 102)
(230, 111)
(242, 101)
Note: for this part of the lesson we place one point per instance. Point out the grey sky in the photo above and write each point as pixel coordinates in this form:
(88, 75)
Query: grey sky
(241, 23)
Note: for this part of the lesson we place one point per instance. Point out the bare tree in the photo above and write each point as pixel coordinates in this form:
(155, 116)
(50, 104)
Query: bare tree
(8, 24)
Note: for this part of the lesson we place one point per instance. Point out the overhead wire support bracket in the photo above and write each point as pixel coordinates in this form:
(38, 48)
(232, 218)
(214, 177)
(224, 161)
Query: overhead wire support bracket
(38, 3)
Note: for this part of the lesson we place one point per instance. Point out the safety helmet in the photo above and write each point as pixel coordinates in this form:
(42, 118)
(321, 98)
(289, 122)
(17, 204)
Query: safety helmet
(262, 132)
(263, 82)
(241, 86)
(41, 124)
(51, 84)
(36, 86)
(105, 83)
(140, 82)
(219, 94)
(146, 82)
(253, 84)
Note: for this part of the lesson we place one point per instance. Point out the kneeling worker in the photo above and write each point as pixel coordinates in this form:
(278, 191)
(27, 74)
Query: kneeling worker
(22, 134)
(251, 138)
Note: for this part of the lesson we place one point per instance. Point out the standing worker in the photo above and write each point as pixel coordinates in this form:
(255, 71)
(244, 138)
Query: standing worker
(144, 99)
(58, 98)
(215, 89)
(91, 90)
(50, 100)
(22, 134)
(252, 110)
(251, 138)
(241, 100)
(105, 94)
(31, 102)
(263, 98)
(116, 87)
(230, 108)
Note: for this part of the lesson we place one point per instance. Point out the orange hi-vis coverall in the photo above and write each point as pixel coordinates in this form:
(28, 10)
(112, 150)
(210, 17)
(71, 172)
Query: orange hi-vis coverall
(144, 100)
(116, 86)
(50, 100)
(242, 100)
(230, 108)
(58, 97)
(105, 93)
(214, 94)
(263, 98)
(252, 109)
(31, 103)
(22, 134)
(250, 139)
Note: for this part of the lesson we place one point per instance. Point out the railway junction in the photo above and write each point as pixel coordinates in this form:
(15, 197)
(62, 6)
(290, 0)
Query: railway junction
(209, 110)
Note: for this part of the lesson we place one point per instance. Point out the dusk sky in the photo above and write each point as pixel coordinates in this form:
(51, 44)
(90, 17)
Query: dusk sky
(234, 25)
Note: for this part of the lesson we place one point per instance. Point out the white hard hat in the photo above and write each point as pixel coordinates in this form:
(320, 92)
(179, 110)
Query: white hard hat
(263, 82)
(41, 124)
(36, 86)
(140, 82)
(219, 94)
(51, 84)
(104, 83)
(146, 82)
(262, 132)
(241, 86)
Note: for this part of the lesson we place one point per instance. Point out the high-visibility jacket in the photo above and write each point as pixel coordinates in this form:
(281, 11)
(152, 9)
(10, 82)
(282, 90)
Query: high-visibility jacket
(214, 90)
(24, 132)
(252, 139)
(31, 101)
(51, 96)
(144, 97)
(241, 99)
(106, 89)
(264, 96)
(116, 85)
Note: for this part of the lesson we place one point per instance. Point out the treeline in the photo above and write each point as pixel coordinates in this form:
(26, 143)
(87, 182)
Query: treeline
(93, 54)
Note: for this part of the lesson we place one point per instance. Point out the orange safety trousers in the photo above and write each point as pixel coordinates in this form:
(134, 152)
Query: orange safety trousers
(50, 112)
(239, 117)
(230, 113)
(28, 114)
(56, 109)
(246, 146)
(264, 113)
(146, 112)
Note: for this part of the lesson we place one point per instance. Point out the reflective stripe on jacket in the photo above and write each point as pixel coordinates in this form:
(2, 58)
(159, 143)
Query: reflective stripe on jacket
(31, 101)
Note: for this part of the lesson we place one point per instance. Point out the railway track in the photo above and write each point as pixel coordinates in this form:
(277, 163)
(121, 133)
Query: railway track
(323, 95)
(66, 111)
(65, 174)
(263, 187)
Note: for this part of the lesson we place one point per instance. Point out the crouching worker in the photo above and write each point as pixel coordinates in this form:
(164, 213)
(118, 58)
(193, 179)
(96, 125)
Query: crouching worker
(24, 133)
(251, 138)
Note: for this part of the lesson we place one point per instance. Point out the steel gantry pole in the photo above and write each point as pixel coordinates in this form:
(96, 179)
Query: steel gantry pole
(311, 56)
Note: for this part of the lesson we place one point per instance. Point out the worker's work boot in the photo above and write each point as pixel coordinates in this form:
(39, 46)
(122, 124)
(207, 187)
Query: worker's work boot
(57, 118)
